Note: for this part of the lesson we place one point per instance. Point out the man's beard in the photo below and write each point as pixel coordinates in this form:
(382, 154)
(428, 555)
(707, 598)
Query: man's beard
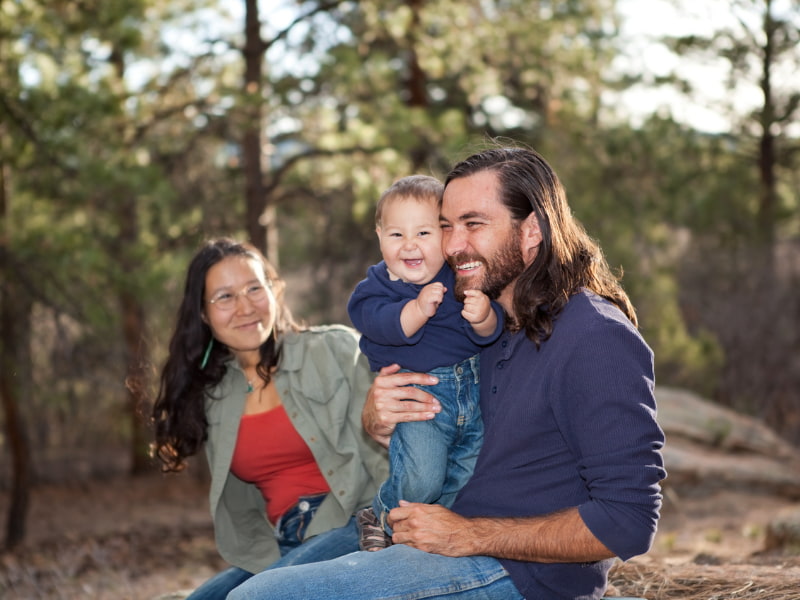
(498, 271)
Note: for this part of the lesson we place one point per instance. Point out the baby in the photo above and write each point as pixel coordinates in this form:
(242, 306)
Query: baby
(407, 314)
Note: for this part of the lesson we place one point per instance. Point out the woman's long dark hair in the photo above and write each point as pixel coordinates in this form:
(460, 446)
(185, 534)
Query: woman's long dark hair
(568, 259)
(179, 416)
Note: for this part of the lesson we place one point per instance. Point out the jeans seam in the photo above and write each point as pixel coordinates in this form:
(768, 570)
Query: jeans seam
(451, 588)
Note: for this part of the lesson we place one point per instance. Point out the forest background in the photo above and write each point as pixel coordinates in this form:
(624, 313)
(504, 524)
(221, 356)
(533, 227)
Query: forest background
(130, 131)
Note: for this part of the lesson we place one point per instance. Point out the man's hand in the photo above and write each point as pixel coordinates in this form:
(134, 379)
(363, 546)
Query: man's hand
(431, 528)
(557, 537)
(387, 404)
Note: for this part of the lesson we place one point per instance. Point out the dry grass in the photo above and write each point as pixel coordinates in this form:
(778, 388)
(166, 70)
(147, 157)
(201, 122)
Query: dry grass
(139, 539)
(777, 581)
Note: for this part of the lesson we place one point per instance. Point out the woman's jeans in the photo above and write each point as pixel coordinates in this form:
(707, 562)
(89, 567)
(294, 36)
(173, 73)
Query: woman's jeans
(430, 461)
(291, 526)
(398, 572)
(289, 532)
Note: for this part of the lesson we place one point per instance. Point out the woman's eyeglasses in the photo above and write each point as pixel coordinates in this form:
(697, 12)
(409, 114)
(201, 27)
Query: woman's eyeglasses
(254, 292)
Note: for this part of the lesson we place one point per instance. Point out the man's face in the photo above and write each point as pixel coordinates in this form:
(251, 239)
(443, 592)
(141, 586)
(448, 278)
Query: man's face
(482, 243)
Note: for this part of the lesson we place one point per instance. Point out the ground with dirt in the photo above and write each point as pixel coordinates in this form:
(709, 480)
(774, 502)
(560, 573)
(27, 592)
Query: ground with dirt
(140, 538)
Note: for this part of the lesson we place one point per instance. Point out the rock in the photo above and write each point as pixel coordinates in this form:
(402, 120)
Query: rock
(711, 446)
(783, 532)
(685, 414)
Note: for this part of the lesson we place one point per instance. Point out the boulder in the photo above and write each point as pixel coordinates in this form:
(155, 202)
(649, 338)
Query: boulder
(712, 446)
(783, 531)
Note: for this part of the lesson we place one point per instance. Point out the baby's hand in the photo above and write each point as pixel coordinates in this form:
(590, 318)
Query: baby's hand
(430, 297)
(477, 307)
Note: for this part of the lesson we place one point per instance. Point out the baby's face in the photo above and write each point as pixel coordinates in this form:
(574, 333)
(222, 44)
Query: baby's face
(411, 239)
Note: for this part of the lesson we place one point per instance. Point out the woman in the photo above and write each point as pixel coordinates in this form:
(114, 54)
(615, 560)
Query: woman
(278, 407)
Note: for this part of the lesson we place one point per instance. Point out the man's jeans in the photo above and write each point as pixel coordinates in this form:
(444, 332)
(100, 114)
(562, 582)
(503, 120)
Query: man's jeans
(395, 573)
(290, 530)
(431, 460)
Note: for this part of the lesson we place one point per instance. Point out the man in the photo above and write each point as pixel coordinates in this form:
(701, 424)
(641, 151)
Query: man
(568, 475)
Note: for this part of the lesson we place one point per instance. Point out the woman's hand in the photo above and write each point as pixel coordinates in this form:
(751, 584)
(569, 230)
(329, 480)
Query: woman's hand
(386, 404)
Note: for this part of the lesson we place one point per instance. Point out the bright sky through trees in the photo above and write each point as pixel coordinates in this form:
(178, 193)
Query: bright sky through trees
(646, 21)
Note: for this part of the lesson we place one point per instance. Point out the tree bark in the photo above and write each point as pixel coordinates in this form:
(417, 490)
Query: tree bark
(416, 85)
(256, 201)
(133, 324)
(135, 339)
(133, 317)
(14, 331)
(14, 372)
(767, 209)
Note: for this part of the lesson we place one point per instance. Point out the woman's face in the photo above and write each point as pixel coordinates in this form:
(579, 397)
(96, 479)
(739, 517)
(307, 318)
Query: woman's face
(239, 305)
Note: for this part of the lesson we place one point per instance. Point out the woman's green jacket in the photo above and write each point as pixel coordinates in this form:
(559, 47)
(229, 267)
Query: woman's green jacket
(323, 381)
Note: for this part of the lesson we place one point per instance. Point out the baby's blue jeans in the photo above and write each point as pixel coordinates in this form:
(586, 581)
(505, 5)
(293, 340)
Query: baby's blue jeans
(429, 461)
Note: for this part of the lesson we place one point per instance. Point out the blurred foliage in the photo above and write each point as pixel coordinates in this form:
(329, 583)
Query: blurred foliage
(120, 131)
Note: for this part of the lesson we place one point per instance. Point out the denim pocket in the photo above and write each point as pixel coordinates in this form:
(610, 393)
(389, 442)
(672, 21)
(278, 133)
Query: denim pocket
(291, 527)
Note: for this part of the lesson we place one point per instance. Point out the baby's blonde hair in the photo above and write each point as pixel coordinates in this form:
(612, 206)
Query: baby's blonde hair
(422, 188)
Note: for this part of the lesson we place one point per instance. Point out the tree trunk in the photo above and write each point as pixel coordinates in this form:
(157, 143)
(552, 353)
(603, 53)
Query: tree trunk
(15, 371)
(14, 327)
(133, 324)
(133, 319)
(416, 85)
(255, 195)
(136, 349)
(766, 151)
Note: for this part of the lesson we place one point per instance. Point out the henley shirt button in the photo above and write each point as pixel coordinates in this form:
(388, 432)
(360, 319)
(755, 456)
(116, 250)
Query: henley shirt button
(494, 389)
(341, 492)
(330, 471)
(504, 344)
(499, 365)
(312, 439)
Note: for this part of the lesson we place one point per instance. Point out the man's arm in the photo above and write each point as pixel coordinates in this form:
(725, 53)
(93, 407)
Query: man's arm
(387, 404)
(558, 537)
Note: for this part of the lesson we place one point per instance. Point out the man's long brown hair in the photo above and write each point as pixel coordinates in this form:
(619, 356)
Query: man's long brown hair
(568, 260)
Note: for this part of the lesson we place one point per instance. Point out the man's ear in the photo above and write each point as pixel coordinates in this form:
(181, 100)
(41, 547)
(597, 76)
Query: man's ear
(531, 236)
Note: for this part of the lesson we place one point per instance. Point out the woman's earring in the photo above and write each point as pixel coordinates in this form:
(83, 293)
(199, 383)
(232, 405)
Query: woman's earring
(207, 354)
